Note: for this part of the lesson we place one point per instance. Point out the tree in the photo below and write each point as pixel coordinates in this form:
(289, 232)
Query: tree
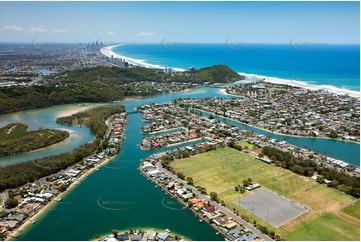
(180, 175)
(214, 196)
(333, 183)
(245, 183)
(63, 187)
(189, 180)
(249, 180)
(355, 192)
(320, 179)
(3, 213)
(11, 203)
(190, 204)
(236, 188)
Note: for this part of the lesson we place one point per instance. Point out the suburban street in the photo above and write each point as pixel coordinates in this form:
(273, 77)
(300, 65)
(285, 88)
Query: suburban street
(221, 208)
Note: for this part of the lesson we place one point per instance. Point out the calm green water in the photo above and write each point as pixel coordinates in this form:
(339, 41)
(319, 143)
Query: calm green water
(118, 196)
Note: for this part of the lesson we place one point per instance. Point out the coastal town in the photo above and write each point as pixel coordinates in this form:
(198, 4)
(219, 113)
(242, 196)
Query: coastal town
(30, 64)
(180, 121)
(20, 206)
(163, 117)
(290, 110)
(203, 203)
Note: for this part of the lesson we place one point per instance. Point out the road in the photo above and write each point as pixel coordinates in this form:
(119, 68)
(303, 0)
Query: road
(4, 197)
(221, 208)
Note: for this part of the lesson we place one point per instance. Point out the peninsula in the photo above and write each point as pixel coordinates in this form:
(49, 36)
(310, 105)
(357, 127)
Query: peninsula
(15, 139)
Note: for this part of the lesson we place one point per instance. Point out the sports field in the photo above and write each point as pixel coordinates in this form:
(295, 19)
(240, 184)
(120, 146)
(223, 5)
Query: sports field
(271, 207)
(325, 226)
(222, 169)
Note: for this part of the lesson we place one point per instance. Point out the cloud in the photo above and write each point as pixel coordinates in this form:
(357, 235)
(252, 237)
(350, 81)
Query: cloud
(60, 31)
(11, 28)
(111, 33)
(145, 34)
(38, 29)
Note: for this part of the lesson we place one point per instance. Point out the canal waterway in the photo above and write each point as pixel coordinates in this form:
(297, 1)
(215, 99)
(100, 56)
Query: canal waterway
(117, 196)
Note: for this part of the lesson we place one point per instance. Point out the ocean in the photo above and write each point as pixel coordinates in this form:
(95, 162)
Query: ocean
(332, 67)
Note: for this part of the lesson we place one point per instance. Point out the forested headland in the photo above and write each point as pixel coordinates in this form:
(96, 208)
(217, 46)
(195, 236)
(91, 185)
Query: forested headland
(104, 84)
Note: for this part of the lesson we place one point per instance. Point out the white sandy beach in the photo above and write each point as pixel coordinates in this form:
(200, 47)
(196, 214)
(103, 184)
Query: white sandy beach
(304, 85)
(76, 108)
(107, 51)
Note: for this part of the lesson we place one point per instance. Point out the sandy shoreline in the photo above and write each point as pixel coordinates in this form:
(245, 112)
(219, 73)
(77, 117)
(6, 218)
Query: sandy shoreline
(76, 108)
(107, 51)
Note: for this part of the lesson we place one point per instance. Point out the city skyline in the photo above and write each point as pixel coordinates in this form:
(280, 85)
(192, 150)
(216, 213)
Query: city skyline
(180, 22)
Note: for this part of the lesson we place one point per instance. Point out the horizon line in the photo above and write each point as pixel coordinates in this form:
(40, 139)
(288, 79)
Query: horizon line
(180, 42)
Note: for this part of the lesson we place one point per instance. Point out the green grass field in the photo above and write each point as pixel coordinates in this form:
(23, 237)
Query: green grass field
(353, 210)
(325, 227)
(243, 144)
(222, 169)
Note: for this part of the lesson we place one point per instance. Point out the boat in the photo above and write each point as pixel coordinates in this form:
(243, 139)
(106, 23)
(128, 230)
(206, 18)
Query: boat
(58, 200)
(184, 207)
(167, 230)
(201, 220)
(32, 221)
(217, 232)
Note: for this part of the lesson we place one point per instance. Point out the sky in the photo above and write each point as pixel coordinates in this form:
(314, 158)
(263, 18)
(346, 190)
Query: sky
(181, 22)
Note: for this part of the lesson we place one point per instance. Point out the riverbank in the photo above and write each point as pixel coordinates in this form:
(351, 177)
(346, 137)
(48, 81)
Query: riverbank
(73, 185)
(43, 210)
(185, 205)
(146, 234)
(80, 178)
(161, 131)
